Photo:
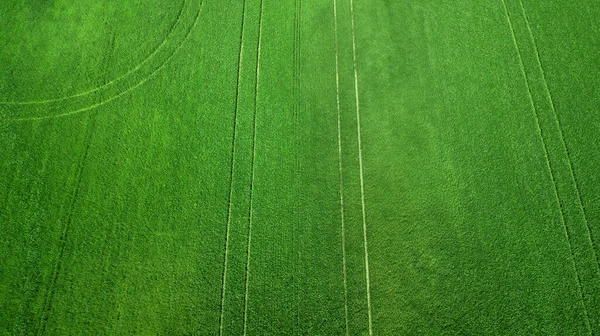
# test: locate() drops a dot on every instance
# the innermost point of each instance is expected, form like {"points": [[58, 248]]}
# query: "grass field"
{"points": [[264, 167]]}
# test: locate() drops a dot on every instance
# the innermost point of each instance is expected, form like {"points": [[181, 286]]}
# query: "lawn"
{"points": [[263, 167]]}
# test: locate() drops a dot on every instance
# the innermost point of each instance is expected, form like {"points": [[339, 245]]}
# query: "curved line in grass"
{"points": [[122, 93], [112, 81]]}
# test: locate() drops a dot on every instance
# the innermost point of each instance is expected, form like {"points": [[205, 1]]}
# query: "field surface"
{"points": [[270, 167]]}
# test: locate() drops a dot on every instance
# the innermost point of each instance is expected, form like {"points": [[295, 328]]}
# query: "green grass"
{"points": [[354, 167]]}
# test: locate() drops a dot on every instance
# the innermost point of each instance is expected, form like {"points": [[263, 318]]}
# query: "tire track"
{"points": [[297, 107], [339, 135], [249, 238], [235, 125], [110, 82], [122, 93], [562, 137], [548, 165], [360, 165], [62, 241]]}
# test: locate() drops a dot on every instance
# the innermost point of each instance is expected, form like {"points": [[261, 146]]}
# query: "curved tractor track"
{"points": [[138, 75]]}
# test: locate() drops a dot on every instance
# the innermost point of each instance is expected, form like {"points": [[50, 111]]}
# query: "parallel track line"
{"points": [[235, 125], [103, 102], [360, 163], [339, 135], [562, 137], [297, 19], [112, 81], [64, 235], [249, 239], [548, 165]]}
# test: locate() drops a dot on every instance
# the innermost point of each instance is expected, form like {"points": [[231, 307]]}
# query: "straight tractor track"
{"points": [[560, 129], [360, 165], [297, 109], [548, 165], [235, 125], [249, 238], [62, 242], [339, 138]]}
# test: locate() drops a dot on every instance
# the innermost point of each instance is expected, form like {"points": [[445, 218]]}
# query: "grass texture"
{"points": [[262, 167]]}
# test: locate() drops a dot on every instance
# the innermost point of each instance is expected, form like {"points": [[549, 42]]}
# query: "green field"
{"points": [[270, 167]]}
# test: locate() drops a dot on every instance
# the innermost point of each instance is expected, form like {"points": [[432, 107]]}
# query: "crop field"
{"points": [[279, 167]]}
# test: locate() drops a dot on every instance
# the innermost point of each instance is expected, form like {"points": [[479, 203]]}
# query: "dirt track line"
{"points": [[112, 81], [549, 167], [235, 125], [339, 135]]}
